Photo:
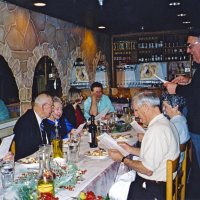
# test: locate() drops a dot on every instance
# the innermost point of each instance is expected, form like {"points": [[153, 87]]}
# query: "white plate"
{"points": [[27, 161], [97, 157], [90, 155]]}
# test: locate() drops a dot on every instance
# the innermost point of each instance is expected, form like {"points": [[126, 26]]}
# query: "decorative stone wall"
{"points": [[27, 36]]}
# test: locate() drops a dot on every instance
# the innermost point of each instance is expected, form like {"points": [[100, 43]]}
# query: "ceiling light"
{"points": [[101, 27], [100, 2], [181, 15], [186, 22], [39, 3], [175, 3]]}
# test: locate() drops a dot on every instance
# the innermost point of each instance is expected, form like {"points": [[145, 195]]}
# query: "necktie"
{"points": [[44, 140]]}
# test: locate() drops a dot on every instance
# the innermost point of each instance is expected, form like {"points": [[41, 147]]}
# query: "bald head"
{"points": [[43, 105], [42, 99]]}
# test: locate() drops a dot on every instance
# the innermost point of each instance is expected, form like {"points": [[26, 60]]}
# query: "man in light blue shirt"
{"points": [[97, 102]]}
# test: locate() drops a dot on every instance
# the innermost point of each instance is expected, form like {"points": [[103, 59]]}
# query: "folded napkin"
{"points": [[120, 189]]}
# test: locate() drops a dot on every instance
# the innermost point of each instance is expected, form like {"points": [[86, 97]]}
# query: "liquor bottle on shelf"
{"points": [[93, 133], [57, 143]]}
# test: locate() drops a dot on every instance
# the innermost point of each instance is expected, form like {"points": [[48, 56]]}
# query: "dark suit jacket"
{"points": [[69, 113], [27, 135]]}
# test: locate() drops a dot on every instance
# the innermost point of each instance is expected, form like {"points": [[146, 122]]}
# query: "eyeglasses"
{"points": [[190, 46]]}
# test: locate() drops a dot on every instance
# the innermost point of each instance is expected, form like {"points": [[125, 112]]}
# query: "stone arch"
{"points": [[13, 63], [38, 53]]}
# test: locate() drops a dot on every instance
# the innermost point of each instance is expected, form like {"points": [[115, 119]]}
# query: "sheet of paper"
{"points": [[5, 146], [109, 143], [102, 114], [137, 127], [162, 80], [80, 128]]}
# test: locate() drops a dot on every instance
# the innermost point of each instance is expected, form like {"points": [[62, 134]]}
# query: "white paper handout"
{"points": [[109, 143], [162, 80], [102, 114], [137, 127], [5, 146], [80, 128]]}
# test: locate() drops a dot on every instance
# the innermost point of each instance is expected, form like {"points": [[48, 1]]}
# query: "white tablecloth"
{"points": [[100, 174]]}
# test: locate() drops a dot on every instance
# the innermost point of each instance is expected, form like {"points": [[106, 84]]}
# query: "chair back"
{"points": [[172, 184], [182, 174], [12, 147]]}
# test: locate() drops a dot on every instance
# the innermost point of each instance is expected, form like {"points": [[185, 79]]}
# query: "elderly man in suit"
{"points": [[28, 132]]}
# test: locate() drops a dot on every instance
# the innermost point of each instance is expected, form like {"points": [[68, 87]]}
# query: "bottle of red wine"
{"points": [[93, 133]]}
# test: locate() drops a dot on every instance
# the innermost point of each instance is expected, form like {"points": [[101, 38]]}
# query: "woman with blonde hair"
{"points": [[72, 111]]}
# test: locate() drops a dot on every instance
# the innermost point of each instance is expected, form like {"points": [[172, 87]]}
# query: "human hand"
{"points": [[73, 131], [182, 80], [115, 155], [140, 136], [94, 95], [125, 146], [9, 157], [171, 87]]}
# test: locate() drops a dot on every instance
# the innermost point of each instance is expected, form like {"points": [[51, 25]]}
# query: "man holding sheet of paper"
{"points": [[97, 102], [160, 143]]}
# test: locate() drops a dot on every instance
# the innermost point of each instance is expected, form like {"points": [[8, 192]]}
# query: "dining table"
{"points": [[99, 176]]}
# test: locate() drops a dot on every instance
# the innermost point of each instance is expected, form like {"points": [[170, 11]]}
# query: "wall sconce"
{"points": [[101, 75]]}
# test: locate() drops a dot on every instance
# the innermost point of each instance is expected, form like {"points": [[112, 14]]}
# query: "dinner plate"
{"points": [[121, 138], [91, 154], [97, 157], [28, 160]]}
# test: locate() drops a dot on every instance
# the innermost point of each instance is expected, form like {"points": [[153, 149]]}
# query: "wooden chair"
{"points": [[12, 147], [172, 184], [182, 173]]}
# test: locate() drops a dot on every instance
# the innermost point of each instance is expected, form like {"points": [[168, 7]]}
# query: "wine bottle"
{"points": [[93, 133], [57, 143], [45, 183]]}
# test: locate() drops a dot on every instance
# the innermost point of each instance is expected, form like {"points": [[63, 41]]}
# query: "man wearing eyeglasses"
{"points": [[190, 89], [28, 130]]}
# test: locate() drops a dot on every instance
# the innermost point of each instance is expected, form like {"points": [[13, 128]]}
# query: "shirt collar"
{"points": [[39, 119], [160, 116]]}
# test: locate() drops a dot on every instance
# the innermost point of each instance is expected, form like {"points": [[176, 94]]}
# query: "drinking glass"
{"points": [[7, 173], [73, 151]]}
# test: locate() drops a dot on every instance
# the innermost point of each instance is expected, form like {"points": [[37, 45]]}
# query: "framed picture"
{"points": [[147, 70], [81, 74]]}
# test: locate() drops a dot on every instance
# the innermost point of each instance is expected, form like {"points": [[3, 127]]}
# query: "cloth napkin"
{"points": [[120, 189]]}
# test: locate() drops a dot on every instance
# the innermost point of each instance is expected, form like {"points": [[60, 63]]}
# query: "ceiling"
{"points": [[121, 16]]}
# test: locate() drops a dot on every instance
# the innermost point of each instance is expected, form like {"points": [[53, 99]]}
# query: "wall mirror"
{"points": [[9, 93], [46, 78]]}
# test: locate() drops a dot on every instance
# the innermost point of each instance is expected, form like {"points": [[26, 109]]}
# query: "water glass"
{"points": [[7, 174], [73, 151]]}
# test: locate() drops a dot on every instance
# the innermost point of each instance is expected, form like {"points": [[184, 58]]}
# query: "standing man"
{"points": [[28, 134], [97, 102], [190, 89], [160, 143]]}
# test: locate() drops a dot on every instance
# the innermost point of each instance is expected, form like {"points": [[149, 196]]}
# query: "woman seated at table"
{"points": [[173, 106], [64, 126], [72, 111]]}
